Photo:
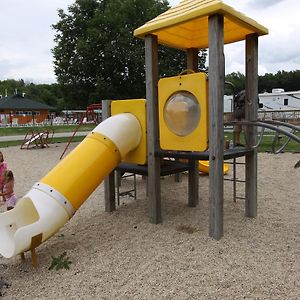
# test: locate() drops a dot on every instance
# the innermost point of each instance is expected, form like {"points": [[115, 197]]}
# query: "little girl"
{"points": [[3, 168], [8, 190]]}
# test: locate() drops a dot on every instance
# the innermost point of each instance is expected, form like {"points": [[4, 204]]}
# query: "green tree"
{"points": [[49, 94], [96, 55], [237, 79]]}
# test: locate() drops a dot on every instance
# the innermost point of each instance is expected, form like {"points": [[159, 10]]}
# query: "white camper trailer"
{"points": [[277, 105]]}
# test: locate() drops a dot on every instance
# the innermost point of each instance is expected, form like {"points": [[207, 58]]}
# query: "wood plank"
{"points": [[192, 59], [228, 154], [109, 181], [216, 131], [251, 131], [193, 183], [154, 197], [193, 177]]}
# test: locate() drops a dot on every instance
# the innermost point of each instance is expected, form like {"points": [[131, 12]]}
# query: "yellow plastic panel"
{"points": [[186, 24], [138, 108], [195, 84]]}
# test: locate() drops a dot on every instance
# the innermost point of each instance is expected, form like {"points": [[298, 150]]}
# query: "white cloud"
{"points": [[277, 51], [26, 37]]}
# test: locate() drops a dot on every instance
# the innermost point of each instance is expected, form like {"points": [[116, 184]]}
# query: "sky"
{"points": [[26, 37]]}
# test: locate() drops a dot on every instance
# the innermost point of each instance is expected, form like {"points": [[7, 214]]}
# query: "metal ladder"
{"points": [[235, 180], [131, 192]]}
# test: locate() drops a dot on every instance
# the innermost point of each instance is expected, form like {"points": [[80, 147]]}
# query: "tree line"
{"points": [[289, 81], [54, 94], [97, 57]]}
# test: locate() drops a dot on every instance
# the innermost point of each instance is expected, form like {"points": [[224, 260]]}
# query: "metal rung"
{"points": [[236, 180], [125, 193], [237, 163], [131, 192]]}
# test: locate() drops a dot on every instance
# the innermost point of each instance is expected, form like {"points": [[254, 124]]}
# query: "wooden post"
{"points": [[35, 241], [193, 179], [192, 59], [109, 181], [151, 57], [216, 129], [193, 183], [251, 115]]}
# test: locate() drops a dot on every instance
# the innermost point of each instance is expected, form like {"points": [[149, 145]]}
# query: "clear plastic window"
{"points": [[182, 113]]}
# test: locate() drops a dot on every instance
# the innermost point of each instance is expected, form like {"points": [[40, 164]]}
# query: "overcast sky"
{"points": [[26, 37]]}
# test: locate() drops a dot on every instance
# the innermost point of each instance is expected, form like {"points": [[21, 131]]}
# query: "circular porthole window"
{"points": [[182, 113]]}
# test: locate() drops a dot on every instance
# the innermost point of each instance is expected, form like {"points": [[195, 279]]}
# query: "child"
{"points": [[8, 190], [3, 168], [239, 115]]}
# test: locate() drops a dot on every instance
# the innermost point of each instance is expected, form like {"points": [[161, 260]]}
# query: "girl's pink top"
{"points": [[3, 168]]}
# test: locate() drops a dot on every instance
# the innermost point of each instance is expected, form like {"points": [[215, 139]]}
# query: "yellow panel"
{"points": [[197, 85], [138, 108], [186, 25]]}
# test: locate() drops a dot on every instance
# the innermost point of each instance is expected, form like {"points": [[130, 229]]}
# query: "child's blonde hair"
{"points": [[9, 175]]}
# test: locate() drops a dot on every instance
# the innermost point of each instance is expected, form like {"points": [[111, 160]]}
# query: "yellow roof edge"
{"points": [[247, 21], [216, 8]]}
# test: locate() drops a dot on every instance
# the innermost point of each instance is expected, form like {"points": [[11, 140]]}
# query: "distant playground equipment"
{"points": [[92, 115], [37, 139], [181, 119]]}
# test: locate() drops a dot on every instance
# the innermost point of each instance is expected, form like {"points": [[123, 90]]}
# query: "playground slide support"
{"points": [[53, 200]]}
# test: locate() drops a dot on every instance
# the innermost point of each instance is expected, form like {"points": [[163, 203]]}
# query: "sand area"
{"points": [[120, 255]]}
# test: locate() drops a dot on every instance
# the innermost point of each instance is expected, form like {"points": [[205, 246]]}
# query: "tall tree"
{"points": [[96, 55], [237, 79]]}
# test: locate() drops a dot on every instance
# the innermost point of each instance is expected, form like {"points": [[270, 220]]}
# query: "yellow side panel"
{"points": [[79, 174], [137, 107], [196, 84]]}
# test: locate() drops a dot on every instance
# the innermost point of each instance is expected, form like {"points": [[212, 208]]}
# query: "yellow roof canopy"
{"points": [[186, 25]]}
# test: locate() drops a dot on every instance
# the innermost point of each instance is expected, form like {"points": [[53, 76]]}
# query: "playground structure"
{"points": [[37, 139], [182, 118], [91, 115]]}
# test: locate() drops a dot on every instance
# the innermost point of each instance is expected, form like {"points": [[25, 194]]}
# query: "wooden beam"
{"points": [[193, 183], [216, 129], [109, 181], [251, 115], [154, 197], [193, 179], [192, 59]]}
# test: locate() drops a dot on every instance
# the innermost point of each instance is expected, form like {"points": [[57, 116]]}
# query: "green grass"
{"points": [[54, 140], [265, 146], [8, 131], [11, 131], [267, 141]]}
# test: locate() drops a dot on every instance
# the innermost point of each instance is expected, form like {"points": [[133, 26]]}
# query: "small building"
{"points": [[17, 110]]}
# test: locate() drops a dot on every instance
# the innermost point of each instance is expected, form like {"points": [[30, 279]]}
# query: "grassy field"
{"points": [[9, 131], [265, 146], [267, 142], [22, 131]]}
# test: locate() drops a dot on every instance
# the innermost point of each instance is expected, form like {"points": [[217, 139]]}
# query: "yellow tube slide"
{"points": [[55, 198]]}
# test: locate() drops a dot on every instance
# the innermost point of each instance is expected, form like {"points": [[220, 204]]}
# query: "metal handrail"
{"points": [[265, 125], [269, 124]]}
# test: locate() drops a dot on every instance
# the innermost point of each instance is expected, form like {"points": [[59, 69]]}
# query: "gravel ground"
{"points": [[120, 255]]}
